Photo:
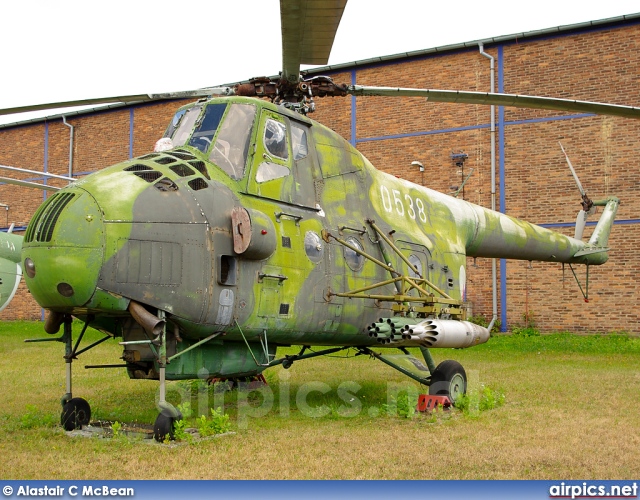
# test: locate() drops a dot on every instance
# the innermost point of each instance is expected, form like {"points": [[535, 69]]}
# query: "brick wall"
{"points": [[100, 139], [598, 65]]}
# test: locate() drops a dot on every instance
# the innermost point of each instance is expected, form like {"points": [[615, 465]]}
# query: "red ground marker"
{"points": [[427, 402]]}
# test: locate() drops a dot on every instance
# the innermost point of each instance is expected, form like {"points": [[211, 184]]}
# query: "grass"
{"points": [[559, 406]]}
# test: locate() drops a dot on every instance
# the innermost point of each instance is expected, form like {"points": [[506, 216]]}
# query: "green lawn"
{"points": [[570, 411]]}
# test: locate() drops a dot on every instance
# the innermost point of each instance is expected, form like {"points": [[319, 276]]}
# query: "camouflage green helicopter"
{"points": [[252, 226], [10, 268]]}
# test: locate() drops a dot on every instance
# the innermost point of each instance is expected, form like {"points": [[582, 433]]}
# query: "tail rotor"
{"points": [[587, 205]]}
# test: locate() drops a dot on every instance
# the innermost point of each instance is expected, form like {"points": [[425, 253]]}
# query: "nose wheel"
{"points": [[75, 413]]}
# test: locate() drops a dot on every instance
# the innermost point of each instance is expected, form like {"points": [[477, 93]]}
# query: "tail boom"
{"points": [[496, 235]]}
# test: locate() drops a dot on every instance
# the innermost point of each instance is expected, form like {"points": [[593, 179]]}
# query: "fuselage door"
{"points": [[283, 165]]}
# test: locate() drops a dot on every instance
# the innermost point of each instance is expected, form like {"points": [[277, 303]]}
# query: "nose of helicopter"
{"points": [[63, 250]]}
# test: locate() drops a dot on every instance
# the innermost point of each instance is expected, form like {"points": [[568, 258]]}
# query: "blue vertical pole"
{"points": [[501, 141]]}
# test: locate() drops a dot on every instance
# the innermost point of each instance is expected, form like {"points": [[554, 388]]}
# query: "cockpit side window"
{"points": [[271, 171], [183, 125], [299, 141], [207, 126], [232, 144], [175, 121], [275, 139]]}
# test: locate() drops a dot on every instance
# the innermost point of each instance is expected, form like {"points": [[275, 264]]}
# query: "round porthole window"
{"points": [[313, 246], [355, 261]]}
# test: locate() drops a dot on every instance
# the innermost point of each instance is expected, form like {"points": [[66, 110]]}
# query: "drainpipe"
{"points": [[64, 120], [494, 271]]}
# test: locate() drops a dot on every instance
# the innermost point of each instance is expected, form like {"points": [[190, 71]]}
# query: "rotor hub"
{"points": [[296, 95]]}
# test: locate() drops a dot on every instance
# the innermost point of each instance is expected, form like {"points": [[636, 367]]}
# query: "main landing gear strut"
{"points": [[163, 427], [447, 379], [156, 329], [76, 412]]}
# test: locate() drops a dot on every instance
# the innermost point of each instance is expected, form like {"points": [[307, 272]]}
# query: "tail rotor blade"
{"points": [[575, 176], [587, 204], [581, 221]]}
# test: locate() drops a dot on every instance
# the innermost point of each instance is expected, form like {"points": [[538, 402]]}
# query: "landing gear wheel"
{"points": [[448, 379], [75, 413], [163, 428]]}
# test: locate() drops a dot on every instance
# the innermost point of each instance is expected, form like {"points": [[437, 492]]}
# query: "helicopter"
{"points": [[251, 226], [10, 268]]}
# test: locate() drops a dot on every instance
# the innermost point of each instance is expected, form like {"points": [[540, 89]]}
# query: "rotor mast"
{"points": [[308, 31]]}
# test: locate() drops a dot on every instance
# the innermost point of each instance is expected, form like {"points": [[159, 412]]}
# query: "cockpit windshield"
{"points": [[182, 124], [185, 120], [232, 144], [197, 128], [207, 127]]}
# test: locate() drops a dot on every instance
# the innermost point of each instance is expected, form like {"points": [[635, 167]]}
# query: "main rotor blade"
{"points": [[513, 100], [188, 94], [9, 180], [36, 172], [308, 31]]}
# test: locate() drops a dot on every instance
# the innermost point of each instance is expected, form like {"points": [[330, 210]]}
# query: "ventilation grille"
{"points": [[166, 184], [197, 184], [183, 155], [286, 242], [45, 219], [284, 309], [200, 167], [137, 168], [150, 156], [182, 170], [174, 161], [165, 160], [149, 176]]}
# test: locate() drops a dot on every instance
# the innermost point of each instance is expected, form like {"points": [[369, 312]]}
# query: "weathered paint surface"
{"points": [[159, 230], [10, 268]]}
